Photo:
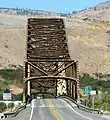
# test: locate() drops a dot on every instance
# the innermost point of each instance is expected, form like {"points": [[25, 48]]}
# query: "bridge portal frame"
{"points": [[47, 48]]}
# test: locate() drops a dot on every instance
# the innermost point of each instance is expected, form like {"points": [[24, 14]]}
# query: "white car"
{"points": [[38, 97]]}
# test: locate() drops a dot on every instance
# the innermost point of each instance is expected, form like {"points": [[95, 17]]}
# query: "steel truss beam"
{"points": [[47, 58]]}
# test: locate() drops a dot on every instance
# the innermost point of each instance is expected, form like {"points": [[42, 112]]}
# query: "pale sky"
{"points": [[58, 6]]}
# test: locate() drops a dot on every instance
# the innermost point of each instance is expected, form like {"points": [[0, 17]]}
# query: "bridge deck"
{"points": [[54, 109]]}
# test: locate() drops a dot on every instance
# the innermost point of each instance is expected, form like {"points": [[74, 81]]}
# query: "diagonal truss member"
{"points": [[48, 65]]}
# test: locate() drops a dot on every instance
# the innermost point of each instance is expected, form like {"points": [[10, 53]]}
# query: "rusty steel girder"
{"points": [[47, 58]]}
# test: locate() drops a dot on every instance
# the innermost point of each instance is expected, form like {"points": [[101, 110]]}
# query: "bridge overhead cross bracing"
{"points": [[48, 66]]}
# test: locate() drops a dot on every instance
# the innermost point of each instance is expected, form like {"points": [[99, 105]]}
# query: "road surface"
{"points": [[54, 109]]}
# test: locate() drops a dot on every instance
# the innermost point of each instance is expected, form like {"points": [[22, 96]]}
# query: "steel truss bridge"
{"points": [[49, 70], [48, 66]]}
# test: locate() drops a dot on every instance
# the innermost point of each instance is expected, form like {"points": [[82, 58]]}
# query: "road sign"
{"points": [[6, 96], [87, 90], [93, 92]]}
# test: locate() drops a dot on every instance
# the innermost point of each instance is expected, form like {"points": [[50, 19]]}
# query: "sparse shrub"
{"points": [[98, 85], [2, 106], [6, 46], [11, 74], [20, 97], [10, 105]]}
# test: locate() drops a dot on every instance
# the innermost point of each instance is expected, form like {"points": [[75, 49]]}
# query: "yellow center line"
{"points": [[53, 111]]}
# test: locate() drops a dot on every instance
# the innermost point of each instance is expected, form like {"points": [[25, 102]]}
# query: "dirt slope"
{"points": [[87, 39]]}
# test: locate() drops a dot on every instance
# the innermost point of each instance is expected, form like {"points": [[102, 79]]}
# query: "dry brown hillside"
{"points": [[94, 14], [12, 44], [88, 43], [87, 40], [98, 12]]}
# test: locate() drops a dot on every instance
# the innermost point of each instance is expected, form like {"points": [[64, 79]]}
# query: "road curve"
{"points": [[54, 109]]}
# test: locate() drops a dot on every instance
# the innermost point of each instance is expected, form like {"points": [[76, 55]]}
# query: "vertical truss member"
{"points": [[48, 67]]}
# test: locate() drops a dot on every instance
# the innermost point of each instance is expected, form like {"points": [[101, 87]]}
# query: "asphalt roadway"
{"points": [[54, 109]]}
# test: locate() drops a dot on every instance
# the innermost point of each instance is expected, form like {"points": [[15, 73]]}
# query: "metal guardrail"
{"points": [[68, 97], [80, 106], [15, 112]]}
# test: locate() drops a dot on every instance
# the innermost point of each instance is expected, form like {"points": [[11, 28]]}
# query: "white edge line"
{"points": [[32, 110], [77, 112]]}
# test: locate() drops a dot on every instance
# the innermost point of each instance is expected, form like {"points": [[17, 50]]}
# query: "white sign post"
{"points": [[6, 96], [93, 93]]}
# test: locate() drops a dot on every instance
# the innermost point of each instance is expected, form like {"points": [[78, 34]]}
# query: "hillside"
{"points": [[98, 12], [17, 11], [105, 5], [87, 35], [88, 43]]}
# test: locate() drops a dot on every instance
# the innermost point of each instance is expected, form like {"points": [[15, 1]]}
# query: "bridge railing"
{"points": [[80, 106], [15, 112]]}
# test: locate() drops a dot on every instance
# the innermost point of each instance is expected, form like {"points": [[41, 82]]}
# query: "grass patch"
{"points": [[11, 74], [101, 101]]}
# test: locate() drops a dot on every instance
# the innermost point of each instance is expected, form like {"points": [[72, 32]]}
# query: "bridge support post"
{"points": [[55, 89], [76, 91], [24, 85], [56, 82], [24, 93], [67, 86], [29, 83], [27, 87], [72, 89], [77, 76]]}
